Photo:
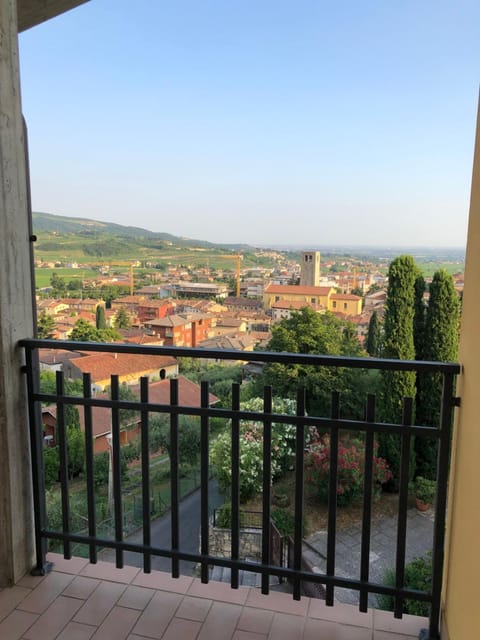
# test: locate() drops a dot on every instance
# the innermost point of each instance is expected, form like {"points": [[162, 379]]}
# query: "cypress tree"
{"points": [[398, 343], [441, 344], [373, 336], [419, 318], [100, 321]]}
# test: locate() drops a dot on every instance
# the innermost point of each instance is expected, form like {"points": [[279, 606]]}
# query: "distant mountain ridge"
{"points": [[51, 223]]}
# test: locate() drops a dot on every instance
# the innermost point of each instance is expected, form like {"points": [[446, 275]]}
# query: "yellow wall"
{"points": [[353, 307], [461, 609], [271, 298]]}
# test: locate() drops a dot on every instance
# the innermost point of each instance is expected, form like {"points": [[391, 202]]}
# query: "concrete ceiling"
{"points": [[33, 12]]}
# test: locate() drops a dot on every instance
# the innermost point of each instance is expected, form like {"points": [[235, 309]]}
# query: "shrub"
{"points": [[351, 464], [223, 518], [418, 575], [251, 450], [425, 489], [284, 521]]}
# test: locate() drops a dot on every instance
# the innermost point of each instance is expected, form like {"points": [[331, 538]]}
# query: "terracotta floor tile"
{"points": [[193, 608], [255, 620], [136, 597], [221, 622], [100, 603], [11, 598], [81, 587], [157, 615], [315, 629], [77, 631], [340, 613], [54, 619], [184, 629], [118, 624], [248, 635], [30, 581], [45, 593], [408, 625], [286, 627], [386, 635], [16, 624], [275, 601], [108, 571], [74, 565], [218, 591], [164, 581]]}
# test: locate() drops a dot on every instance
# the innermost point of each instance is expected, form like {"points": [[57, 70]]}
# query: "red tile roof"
{"points": [[102, 365], [188, 392], [296, 289], [345, 296]]}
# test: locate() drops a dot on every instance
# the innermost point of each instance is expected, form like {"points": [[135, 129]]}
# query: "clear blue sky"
{"points": [[259, 121]]}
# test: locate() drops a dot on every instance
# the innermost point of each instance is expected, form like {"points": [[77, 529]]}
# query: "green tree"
{"points": [[419, 318], [309, 332], [100, 321], [83, 331], [76, 451], [188, 437], [441, 344], [398, 343], [45, 325], [374, 336], [58, 285], [122, 319], [51, 465]]}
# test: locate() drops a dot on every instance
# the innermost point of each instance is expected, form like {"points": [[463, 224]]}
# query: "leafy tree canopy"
{"points": [[45, 326], [309, 332]]}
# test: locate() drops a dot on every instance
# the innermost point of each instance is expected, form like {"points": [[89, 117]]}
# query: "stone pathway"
{"points": [[382, 549]]}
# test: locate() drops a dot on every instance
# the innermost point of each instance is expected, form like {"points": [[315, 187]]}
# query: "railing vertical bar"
{"points": [[116, 472], [403, 505], [145, 462], [174, 477], [235, 551], [367, 503], [332, 497], [204, 480], [446, 417], [299, 475], [267, 481], [63, 455], [89, 467], [38, 467]]}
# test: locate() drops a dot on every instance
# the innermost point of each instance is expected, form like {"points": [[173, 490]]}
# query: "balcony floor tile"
{"points": [[93, 602]]}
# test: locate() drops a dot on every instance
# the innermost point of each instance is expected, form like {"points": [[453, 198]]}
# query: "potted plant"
{"points": [[424, 492]]}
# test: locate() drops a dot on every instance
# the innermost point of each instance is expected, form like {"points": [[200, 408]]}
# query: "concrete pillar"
{"points": [[461, 613], [16, 315]]}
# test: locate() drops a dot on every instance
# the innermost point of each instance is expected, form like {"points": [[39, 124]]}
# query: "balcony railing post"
{"points": [[446, 419], [38, 480]]}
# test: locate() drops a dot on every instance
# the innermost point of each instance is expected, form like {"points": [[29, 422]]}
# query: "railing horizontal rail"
{"points": [[421, 366]]}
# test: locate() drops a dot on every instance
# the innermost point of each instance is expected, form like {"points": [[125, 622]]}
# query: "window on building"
{"points": [[334, 304], [344, 305]]}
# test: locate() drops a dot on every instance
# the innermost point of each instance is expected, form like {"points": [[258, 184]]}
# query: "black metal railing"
{"points": [[333, 424]]}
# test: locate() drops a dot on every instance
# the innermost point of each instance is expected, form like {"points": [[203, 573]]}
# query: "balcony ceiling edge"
{"points": [[34, 12]]}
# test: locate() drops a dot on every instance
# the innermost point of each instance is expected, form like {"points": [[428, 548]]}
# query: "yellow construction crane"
{"points": [[238, 257]]}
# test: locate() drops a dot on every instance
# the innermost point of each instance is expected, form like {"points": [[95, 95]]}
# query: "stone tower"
{"points": [[310, 269]]}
